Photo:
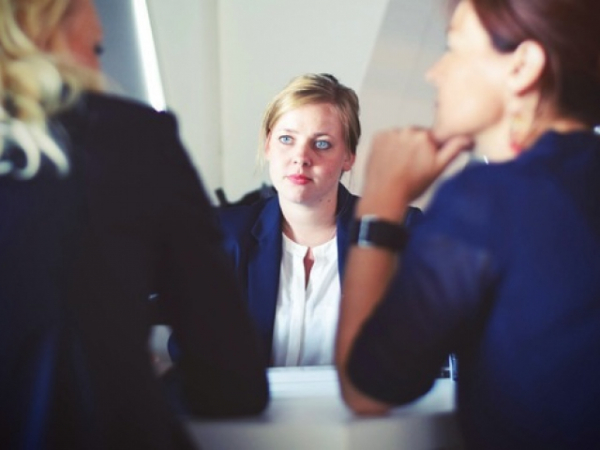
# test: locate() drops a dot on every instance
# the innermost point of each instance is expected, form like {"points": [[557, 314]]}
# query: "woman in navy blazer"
{"points": [[310, 132], [99, 207], [253, 241], [504, 269]]}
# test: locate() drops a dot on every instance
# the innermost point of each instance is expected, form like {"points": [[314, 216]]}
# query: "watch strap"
{"points": [[371, 231]]}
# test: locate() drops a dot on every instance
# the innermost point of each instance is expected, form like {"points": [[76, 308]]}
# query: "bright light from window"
{"points": [[154, 87]]}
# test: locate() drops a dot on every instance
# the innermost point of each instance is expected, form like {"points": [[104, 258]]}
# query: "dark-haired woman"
{"points": [[505, 269]]}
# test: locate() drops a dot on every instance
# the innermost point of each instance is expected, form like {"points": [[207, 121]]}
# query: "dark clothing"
{"points": [[79, 257], [252, 239], [504, 270]]}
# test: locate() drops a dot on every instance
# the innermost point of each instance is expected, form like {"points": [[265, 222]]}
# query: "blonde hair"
{"points": [[314, 88], [35, 84]]}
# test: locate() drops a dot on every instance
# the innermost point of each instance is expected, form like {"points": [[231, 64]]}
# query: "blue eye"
{"points": [[285, 139], [322, 145]]}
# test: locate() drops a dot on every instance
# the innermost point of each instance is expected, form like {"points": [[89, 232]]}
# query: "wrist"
{"points": [[390, 208], [374, 232]]}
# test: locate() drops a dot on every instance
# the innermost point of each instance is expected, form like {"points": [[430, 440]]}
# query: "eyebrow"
{"points": [[317, 134]]}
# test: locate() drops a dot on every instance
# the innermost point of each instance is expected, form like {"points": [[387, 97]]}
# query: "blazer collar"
{"points": [[268, 223], [344, 215]]}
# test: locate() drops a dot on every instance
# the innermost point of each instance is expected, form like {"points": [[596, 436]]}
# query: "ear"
{"points": [[528, 63], [348, 161], [267, 149]]}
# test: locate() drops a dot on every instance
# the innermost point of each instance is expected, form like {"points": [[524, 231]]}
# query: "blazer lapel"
{"points": [[344, 214]]}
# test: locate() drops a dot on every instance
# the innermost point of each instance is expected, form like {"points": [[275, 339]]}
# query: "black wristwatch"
{"points": [[371, 231]]}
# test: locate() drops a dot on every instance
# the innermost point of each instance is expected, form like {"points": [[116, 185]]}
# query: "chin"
{"points": [[443, 134], [292, 195], [440, 134]]}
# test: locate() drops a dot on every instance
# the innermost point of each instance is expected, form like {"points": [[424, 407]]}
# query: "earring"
{"points": [[517, 134]]}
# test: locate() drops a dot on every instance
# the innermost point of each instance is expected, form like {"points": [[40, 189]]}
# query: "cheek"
{"points": [[480, 107], [81, 45], [333, 170], [86, 57], [276, 165], [274, 155], [470, 101]]}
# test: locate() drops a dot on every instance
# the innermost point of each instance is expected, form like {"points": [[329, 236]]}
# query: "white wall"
{"points": [[186, 39]]}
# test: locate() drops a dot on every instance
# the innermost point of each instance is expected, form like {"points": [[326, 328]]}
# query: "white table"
{"points": [[306, 412]]}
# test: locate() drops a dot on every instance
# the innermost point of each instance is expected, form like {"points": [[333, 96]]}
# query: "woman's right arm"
{"points": [[402, 164]]}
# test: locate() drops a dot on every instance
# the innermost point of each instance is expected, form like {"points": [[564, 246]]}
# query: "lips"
{"points": [[298, 179]]}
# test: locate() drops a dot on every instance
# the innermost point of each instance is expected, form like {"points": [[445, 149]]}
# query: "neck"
{"points": [[308, 225], [558, 124], [494, 143]]}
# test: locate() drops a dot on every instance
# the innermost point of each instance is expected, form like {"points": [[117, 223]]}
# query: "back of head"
{"points": [[569, 32], [313, 89], [35, 83]]}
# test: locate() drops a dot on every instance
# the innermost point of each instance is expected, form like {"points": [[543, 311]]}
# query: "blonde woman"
{"points": [[99, 207], [289, 250]]}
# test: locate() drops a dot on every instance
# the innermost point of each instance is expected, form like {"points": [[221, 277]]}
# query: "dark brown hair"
{"points": [[569, 31]]}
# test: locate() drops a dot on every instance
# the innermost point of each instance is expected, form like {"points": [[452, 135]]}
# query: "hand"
{"points": [[402, 164]]}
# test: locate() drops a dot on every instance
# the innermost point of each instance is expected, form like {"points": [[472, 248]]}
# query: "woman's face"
{"points": [[471, 81], [82, 33], [307, 154]]}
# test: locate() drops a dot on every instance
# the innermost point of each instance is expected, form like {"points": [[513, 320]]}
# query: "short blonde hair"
{"points": [[35, 84], [314, 88]]}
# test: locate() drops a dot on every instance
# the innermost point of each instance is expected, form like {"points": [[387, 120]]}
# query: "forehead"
{"points": [[318, 117], [465, 22], [82, 14]]}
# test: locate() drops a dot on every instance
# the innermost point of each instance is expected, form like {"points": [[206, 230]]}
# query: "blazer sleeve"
{"points": [[220, 369]]}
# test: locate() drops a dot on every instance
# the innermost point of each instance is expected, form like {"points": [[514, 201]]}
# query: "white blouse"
{"points": [[307, 315]]}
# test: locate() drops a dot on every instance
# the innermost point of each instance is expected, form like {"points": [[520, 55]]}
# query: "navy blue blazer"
{"points": [[504, 270], [79, 257], [252, 239]]}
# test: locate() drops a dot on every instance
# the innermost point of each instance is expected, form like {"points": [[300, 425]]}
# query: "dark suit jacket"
{"points": [[252, 239], [79, 257], [504, 270]]}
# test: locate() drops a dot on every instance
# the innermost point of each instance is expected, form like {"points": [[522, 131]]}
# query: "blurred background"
{"points": [[217, 63]]}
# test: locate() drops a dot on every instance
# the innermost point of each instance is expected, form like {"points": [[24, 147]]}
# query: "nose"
{"points": [[302, 154], [432, 73]]}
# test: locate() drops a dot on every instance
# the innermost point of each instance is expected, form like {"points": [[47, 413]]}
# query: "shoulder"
{"points": [[117, 117], [134, 146], [346, 201], [472, 206], [239, 220], [120, 107], [467, 184], [115, 128]]}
